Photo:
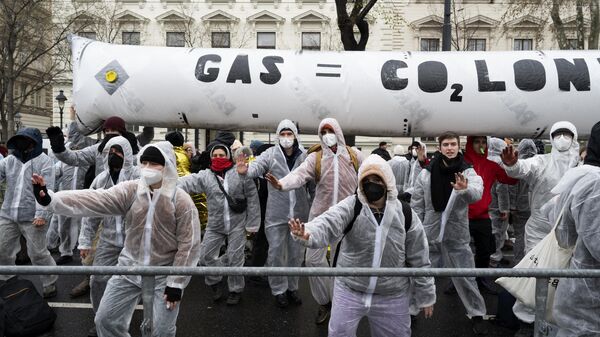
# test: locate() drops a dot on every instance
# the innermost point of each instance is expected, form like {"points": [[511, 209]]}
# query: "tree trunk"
{"points": [[594, 24], [580, 25], [558, 25]]}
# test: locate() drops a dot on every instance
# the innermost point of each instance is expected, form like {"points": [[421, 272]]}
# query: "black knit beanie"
{"points": [[154, 155]]}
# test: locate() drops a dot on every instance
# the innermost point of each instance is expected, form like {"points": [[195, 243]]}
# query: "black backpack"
{"points": [[25, 311], [406, 210]]}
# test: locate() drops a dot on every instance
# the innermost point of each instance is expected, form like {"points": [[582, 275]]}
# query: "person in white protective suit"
{"points": [[92, 155], [401, 167], [519, 202], [118, 167], [418, 161], [19, 214], [70, 178], [441, 197], [577, 300], [333, 168], [542, 173], [378, 238], [500, 205], [282, 206], [233, 210], [161, 229]]}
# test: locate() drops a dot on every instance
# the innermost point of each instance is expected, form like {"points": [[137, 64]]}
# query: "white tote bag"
{"points": [[546, 254]]}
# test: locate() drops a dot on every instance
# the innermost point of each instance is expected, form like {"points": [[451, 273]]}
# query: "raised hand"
{"points": [[509, 156], [40, 192], [274, 181], [241, 165], [297, 229], [461, 182]]}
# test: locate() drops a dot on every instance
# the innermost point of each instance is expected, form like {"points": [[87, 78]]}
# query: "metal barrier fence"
{"points": [[542, 328]]}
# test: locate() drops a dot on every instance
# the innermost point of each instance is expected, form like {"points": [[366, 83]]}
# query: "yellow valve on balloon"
{"points": [[111, 76]]}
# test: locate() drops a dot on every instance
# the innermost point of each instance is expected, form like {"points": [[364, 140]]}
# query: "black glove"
{"points": [[57, 140], [405, 197], [45, 200], [173, 294]]}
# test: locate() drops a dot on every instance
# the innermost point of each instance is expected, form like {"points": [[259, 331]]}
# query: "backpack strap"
{"points": [[353, 158], [318, 166], [357, 209], [407, 211]]}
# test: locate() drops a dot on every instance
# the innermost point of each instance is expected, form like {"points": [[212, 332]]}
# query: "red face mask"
{"points": [[220, 164]]}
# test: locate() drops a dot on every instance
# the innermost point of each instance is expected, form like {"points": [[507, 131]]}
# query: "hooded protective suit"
{"points": [[450, 248], [414, 171], [499, 203], [577, 300], [70, 178], [401, 169], [519, 201], [223, 223], [161, 229], [19, 208], [112, 235], [542, 173], [282, 206], [374, 244], [338, 180]]}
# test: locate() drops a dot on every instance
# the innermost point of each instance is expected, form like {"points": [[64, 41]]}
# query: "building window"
{"points": [[311, 41], [88, 35], [132, 38], [220, 40], [572, 44], [175, 39], [523, 44], [476, 44], [430, 44], [265, 40]]}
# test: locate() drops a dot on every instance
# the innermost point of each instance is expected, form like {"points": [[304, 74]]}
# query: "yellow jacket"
{"points": [[183, 162]]}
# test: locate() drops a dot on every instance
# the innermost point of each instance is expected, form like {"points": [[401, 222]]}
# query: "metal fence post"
{"points": [[541, 296], [148, 299]]}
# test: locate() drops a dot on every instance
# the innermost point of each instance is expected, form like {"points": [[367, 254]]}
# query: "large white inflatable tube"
{"points": [[370, 93]]}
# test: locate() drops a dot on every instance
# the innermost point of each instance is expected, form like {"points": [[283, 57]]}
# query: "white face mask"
{"points": [[414, 153], [563, 143], [286, 142], [330, 139], [151, 176]]}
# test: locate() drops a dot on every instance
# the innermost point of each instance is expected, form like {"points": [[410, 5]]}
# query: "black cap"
{"points": [[175, 138], [154, 155]]}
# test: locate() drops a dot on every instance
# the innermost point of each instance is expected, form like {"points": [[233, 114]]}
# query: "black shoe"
{"points": [[64, 260], [217, 291], [234, 298], [450, 290], [486, 286], [92, 332], [479, 326], [282, 300], [323, 313], [293, 298]]}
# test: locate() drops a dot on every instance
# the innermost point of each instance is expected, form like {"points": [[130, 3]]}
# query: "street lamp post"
{"points": [[17, 119], [61, 98]]}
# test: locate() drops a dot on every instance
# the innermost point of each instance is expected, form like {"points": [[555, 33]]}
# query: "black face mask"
{"points": [[373, 191], [22, 145], [115, 161]]}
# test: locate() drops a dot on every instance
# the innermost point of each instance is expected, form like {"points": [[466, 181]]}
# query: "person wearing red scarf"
{"points": [[225, 191], [480, 224]]}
